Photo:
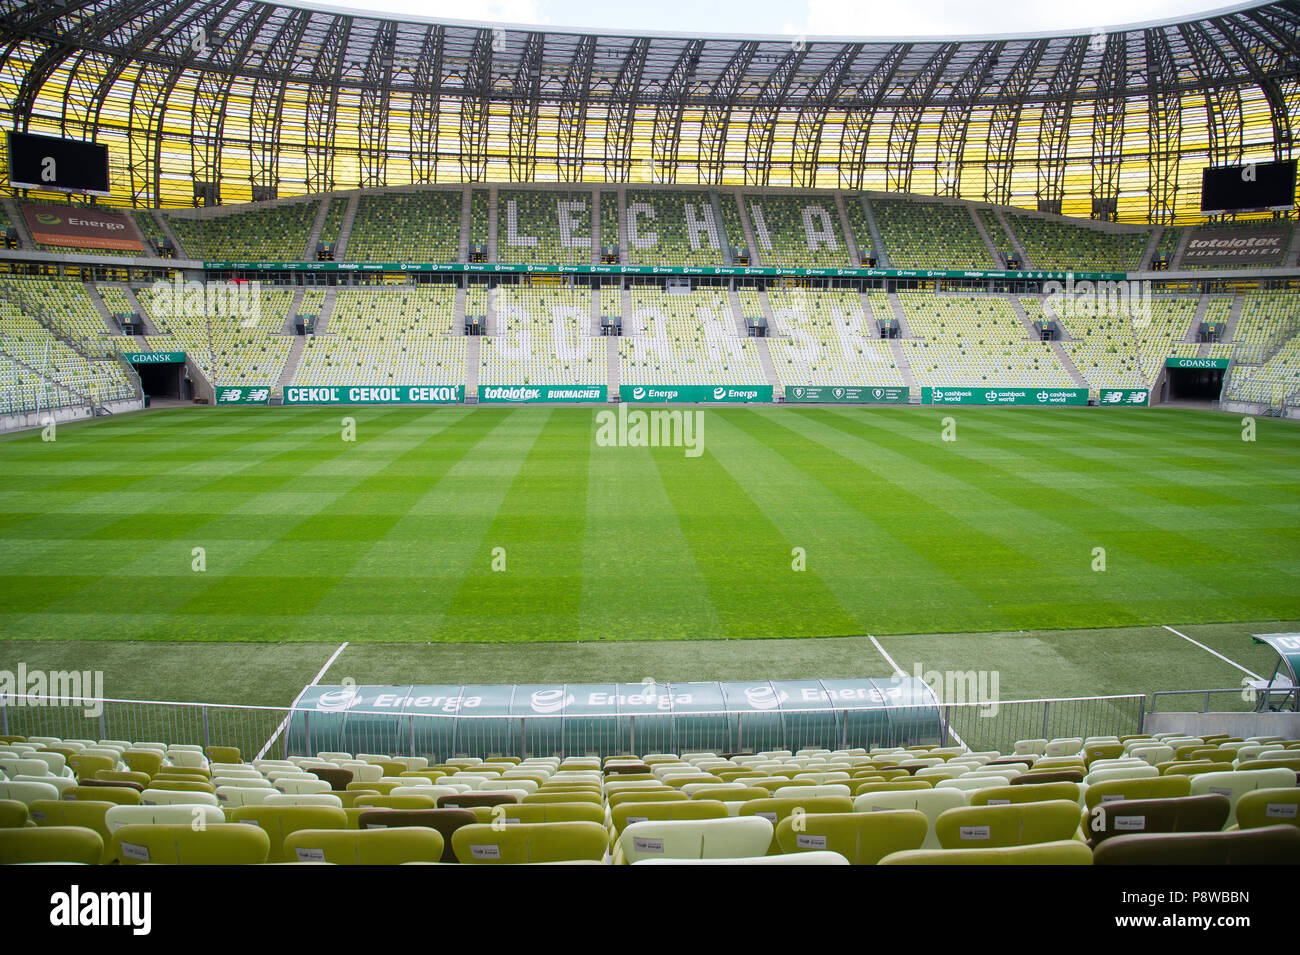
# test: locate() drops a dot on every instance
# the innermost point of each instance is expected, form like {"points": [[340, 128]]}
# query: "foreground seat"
{"points": [[1270, 845], [721, 838], [482, 844], [863, 838], [1018, 824], [1206, 813], [365, 846], [1063, 852], [799, 858], [184, 845]]}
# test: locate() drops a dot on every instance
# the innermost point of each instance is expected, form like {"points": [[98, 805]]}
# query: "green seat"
{"points": [[122, 795], [13, 814], [1157, 787], [66, 844], [530, 842], [184, 845], [864, 838], [365, 846], [994, 827], [931, 803], [1268, 807], [279, 822], [84, 813], [1062, 852], [1040, 792]]}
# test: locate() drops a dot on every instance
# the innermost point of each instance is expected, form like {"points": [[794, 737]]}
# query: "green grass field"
{"points": [[673, 562]]}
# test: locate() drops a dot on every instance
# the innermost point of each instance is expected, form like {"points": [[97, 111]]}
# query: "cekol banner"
{"points": [[1243, 246], [1004, 396], [529, 394], [702, 393], [81, 227], [375, 395], [822, 394]]}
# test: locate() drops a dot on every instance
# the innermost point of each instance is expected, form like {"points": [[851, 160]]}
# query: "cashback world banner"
{"points": [[375, 395], [1004, 396], [606, 718], [701, 393], [1111, 397], [529, 394], [824, 394]]}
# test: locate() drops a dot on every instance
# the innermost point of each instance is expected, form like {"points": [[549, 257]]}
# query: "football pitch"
{"points": [[225, 555]]}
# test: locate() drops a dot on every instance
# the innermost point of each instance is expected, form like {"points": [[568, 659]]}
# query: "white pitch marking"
{"points": [[1215, 652], [899, 671], [316, 679]]}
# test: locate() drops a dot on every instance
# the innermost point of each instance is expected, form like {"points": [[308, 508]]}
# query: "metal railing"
{"points": [[285, 731], [1233, 700]]}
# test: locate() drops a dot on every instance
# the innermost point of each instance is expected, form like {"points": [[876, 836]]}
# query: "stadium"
{"points": [[433, 441]]}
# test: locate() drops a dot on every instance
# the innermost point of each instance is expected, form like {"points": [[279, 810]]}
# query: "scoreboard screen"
{"points": [[61, 165], [1253, 187]]}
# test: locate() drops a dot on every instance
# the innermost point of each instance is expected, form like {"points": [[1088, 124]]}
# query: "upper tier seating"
{"points": [[421, 226], [272, 233], [801, 231], [674, 228], [929, 235], [545, 227]]}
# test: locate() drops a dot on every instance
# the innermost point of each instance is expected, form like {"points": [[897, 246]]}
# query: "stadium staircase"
{"points": [[882, 253], [1234, 315], [97, 300], [1025, 261], [295, 306], [594, 328], [1183, 240], [873, 323], [18, 222], [327, 309], [458, 312], [1144, 265], [595, 229], [462, 245], [738, 315], [1202, 304], [766, 303], [489, 313], [987, 239], [1068, 364], [493, 228], [1031, 332], [747, 227], [900, 315], [905, 370], [715, 202], [850, 240], [473, 345], [313, 237], [623, 254], [613, 368], [626, 306], [1292, 257], [291, 363], [345, 227]]}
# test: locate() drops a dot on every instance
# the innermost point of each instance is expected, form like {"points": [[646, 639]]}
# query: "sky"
{"points": [[799, 17]]}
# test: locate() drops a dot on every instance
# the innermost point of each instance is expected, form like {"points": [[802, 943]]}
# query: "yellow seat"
{"points": [[74, 844], [60, 812], [864, 838], [184, 845], [995, 827], [279, 822], [1155, 787], [1062, 852], [365, 846], [1268, 807], [530, 842]]}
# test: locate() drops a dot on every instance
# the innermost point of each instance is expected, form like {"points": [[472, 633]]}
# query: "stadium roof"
{"points": [[243, 99]]}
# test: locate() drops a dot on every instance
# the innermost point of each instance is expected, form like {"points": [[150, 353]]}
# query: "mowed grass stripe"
{"points": [[1143, 559], [401, 588], [641, 580], [538, 534], [745, 560], [866, 565]]}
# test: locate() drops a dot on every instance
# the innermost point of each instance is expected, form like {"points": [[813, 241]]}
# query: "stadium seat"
{"points": [[530, 842], [728, 837], [168, 844], [59, 844], [1269, 845], [992, 827], [365, 846], [864, 838], [1062, 852]]}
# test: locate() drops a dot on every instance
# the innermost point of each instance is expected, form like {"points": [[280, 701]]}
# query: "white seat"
{"points": [[27, 792], [167, 797], [276, 798], [60, 783], [796, 792], [234, 796], [1143, 771], [1235, 783], [738, 837], [186, 814], [245, 782], [302, 785]]}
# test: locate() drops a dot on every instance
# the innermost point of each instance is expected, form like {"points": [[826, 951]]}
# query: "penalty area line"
{"points": [[314, 680], [899, 671], [1215, 652]]}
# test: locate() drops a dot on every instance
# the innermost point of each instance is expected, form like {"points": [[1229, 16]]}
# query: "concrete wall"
{"points": [[1286, 725]]}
